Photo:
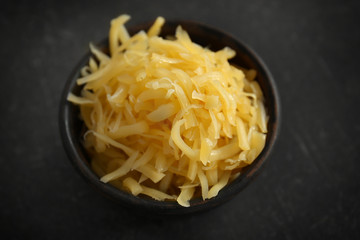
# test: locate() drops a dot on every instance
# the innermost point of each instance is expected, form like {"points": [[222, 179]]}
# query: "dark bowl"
{"points": [[71, 127]]}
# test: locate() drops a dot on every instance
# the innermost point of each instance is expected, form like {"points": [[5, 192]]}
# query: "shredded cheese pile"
{"points": [[168, 118]]}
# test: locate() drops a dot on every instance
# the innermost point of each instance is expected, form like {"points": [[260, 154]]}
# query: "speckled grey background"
{"points": [[310, 186]]}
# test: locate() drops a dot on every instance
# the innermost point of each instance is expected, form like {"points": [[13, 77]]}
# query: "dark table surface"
{"points": [[310, 186]]}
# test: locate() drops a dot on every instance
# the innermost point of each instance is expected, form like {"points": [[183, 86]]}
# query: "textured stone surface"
{"points": [[309, 188]]}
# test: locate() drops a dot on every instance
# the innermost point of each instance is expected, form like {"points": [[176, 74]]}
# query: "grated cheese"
{"points": [[168, 118]]}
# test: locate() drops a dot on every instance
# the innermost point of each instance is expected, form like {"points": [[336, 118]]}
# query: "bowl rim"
{"points": [[72, 145]]}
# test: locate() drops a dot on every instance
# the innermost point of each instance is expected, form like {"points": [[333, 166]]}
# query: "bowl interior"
{"points": [[71, 127]]}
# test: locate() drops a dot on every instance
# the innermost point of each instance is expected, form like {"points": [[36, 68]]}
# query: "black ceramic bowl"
{"points": [[71, 126]]}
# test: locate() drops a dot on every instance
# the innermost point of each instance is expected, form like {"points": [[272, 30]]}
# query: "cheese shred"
{"points": [[168, 118]]}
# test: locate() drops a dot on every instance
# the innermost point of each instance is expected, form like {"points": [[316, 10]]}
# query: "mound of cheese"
{"points": [[168, 118]]}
